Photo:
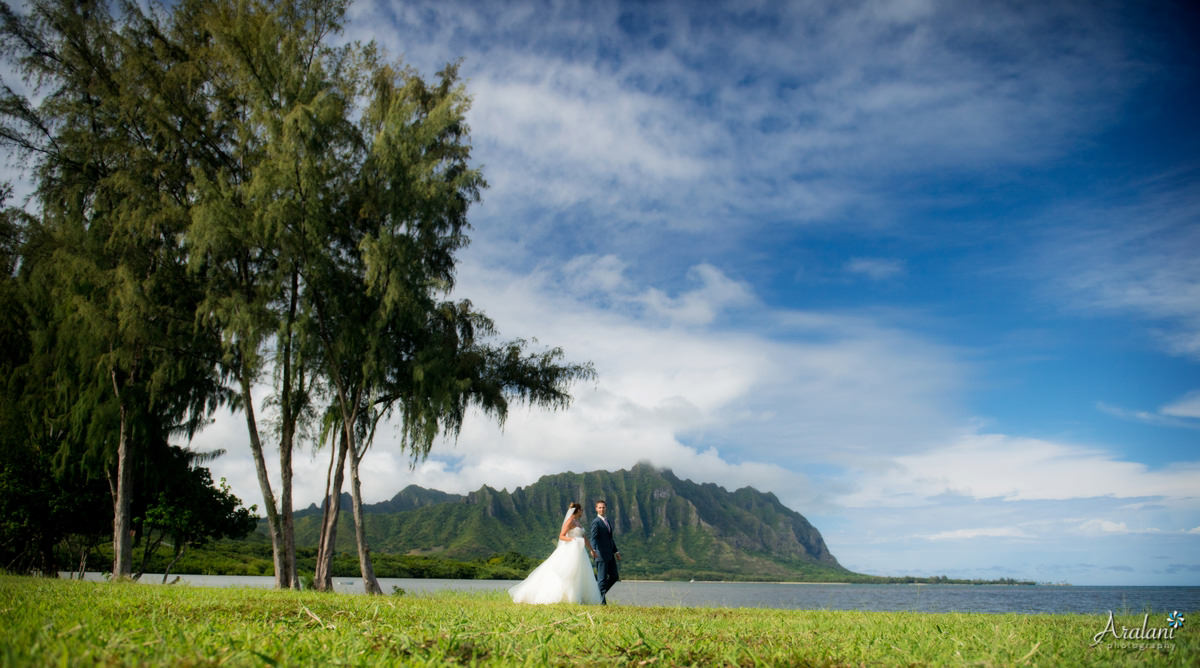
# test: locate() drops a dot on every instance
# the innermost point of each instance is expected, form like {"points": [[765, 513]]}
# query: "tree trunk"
{"points": [[47, 564], [288, 412], [178, 553], [370, 584], [148, 550], [323, 577], [264, 483], [122, 522], [83, 555], [285, 510]]}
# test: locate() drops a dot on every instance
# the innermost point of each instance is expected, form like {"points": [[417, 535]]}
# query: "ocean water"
{"points": [[1029, 599], [1025, 599]]}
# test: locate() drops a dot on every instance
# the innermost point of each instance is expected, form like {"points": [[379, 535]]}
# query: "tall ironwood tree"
{"points": [[273, 79], [112, 190], [416, 356]]}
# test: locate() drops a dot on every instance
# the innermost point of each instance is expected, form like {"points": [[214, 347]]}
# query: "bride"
{"points": [[566, 575]]}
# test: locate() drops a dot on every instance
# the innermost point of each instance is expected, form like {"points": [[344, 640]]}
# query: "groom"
{"points": [[607, 554]]}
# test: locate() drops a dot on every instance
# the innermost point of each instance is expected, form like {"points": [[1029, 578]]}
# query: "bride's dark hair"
{"points": [[574, 507]]}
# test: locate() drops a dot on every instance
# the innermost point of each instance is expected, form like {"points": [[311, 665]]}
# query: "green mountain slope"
{"points": [[666, 527], [409, 498]]}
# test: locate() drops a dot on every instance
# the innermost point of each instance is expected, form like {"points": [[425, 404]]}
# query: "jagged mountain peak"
{"points": [[666, 526]]}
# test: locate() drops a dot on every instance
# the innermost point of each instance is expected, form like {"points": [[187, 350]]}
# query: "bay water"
{"points": [[1025, 599]]}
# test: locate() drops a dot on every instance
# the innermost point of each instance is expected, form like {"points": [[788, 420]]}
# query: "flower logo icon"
{"points": [[1175, 619]]}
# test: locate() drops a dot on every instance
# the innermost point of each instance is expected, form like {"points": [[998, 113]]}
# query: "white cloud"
{"points": [[1103, 526], [970, 534], [716, 293], [1133, 258], [592, 274], [1095, 527], [986, 466], [1181, 413], [876, 269], [809, 382], [602, 281], [674, 388], [1187, 406], [1160, 418], [570, 136], [690, 122]]}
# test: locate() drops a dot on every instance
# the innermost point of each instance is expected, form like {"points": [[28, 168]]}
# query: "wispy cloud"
{"points": [[994, 466], [1105, 527], [970, 534], [723, 118], [706, 291], [877, 269], [1134, 257], [1187, 406], [1161, 418], [1109, 527]]}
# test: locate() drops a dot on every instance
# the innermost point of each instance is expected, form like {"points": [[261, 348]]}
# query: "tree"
{"points": [[188, 509], [390, 343], [48, 500], [45, 499], [250, 231], [112, 190]]}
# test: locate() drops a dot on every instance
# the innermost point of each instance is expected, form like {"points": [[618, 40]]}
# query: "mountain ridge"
{"points": [[666, 527]]}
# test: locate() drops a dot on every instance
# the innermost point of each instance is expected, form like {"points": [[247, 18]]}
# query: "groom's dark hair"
{"points": [[600, 501]]}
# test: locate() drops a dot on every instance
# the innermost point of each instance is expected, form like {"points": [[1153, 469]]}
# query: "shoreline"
{"points": [[151, 578]]}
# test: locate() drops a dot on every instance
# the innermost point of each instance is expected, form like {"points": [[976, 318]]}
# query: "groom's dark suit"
{"points": [[606, 559]]}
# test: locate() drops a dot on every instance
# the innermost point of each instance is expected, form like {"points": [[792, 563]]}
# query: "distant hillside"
{"points": [[666, 527], [409, 498]]}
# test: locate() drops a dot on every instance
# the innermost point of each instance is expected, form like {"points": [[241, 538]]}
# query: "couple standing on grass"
{"points": [[566, 575]]}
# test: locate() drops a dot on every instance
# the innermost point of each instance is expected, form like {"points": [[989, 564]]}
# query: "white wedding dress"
{"points": [[564, 577]]}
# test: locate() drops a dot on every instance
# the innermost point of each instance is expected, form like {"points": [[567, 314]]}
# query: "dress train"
{"points": [[565, 576]]}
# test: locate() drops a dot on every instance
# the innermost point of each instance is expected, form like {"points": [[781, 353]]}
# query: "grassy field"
{"points": [[70, 623]]}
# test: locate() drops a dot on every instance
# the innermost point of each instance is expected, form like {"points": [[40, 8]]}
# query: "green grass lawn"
{"points": [[70, 623]]}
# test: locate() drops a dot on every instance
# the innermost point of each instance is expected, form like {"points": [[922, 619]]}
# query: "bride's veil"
{"points": [[570, 512]]}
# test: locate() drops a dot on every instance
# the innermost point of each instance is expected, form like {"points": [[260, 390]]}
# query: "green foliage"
{"points": [[49, 622], [55, 431], [234, 557], [189, 510], [115, 330]]}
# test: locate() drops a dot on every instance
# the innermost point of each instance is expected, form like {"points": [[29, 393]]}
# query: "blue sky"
{"points": [[927, 271]]}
